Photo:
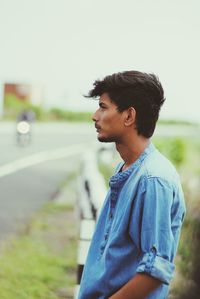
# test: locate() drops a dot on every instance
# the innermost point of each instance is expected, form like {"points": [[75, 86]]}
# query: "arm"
{"points": [[138, 287], [150, 230]]}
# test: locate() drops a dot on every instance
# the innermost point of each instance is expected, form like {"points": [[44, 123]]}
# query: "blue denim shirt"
{"points": [[138, 228]]}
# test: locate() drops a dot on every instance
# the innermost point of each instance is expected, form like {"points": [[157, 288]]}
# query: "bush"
{"points": [[60, 114], [177, 150], [173, 148], [189, 265]]}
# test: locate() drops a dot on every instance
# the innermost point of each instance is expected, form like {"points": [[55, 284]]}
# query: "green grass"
{"points": [[41, 262]]}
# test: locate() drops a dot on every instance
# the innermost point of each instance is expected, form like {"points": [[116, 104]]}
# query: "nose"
{"points": [[94, 116]]}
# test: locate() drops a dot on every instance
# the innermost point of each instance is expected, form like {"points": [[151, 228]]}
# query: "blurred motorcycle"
{"points": [[24, 122], [23, 133]]}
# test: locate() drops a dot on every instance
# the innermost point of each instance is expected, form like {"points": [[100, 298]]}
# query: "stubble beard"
{"points": [[103, 139], [107, 139]]}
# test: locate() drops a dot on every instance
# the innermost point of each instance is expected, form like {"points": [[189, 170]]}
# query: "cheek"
{"points": [[103, 117], [108, 121]]}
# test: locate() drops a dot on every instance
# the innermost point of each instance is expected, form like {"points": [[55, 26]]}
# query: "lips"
{"points": [[97, 127]]}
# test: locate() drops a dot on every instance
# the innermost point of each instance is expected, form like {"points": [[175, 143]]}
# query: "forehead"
{"points": [[104, 98]]}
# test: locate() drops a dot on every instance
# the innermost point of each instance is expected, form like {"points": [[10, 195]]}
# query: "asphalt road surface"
{"points": [[32, 175]]}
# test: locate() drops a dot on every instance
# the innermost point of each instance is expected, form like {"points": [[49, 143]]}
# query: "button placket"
{"points": [[109, 220]]}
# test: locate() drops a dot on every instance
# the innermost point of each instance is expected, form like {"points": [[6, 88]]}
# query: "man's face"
{"points": [[108, 120]]}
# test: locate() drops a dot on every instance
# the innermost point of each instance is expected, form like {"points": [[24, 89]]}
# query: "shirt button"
{"points": [[102, 248], [106, 237]]}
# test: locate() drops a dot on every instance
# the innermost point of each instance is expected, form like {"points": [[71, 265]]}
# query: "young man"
{"points": [[135, 241]]}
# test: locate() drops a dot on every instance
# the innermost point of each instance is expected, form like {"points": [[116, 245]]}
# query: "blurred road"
{"points": [[29, 176], [45, 136]]}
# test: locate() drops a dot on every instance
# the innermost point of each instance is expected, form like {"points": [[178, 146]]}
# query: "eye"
{"points": [[102, 106]]}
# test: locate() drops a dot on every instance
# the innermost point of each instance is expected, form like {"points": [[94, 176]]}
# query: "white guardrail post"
{"points": [[91, 193]]}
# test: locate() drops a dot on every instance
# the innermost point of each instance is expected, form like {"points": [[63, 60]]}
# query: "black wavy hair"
{"points": [[142, 91]]}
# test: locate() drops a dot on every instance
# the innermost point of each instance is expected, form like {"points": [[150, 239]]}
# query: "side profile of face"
{"points": [[109, 122]]}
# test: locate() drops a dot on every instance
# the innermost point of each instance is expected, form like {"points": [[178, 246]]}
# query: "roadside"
{"points": [[40, 262]]}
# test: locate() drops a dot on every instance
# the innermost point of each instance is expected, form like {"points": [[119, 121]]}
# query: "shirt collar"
{"points": [[120, 177]]}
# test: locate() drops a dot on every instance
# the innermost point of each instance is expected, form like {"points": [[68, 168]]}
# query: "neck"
{"points": [[131, 150]]}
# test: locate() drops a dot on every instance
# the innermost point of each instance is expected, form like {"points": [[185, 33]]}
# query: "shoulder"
{"points": [[152, 171], [156, 167]]}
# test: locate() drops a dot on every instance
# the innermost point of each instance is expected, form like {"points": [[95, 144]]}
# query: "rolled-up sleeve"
{"points": [[151, 228], [156, 266]]}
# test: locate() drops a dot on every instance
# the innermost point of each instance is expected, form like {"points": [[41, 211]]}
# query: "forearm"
{"points": [[137, 288]]}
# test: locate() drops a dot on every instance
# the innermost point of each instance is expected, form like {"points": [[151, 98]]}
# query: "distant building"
{"points": [[24, 92]]}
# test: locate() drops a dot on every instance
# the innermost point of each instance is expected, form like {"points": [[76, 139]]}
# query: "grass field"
{"points": [[41, 262]]}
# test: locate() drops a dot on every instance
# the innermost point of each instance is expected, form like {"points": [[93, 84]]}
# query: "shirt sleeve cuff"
{"points": [[156, 266]]}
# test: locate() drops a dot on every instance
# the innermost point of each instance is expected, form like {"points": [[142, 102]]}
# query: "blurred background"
{"points": [[50, 54]]}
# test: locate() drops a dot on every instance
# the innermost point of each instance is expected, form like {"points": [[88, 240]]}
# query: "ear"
{"points": [[130, 117]]}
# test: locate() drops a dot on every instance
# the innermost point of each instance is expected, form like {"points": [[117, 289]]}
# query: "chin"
{"points": [[105, 139]]}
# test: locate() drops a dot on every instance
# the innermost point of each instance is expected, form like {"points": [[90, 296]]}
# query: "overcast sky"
{"points": [[65, 45]]}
